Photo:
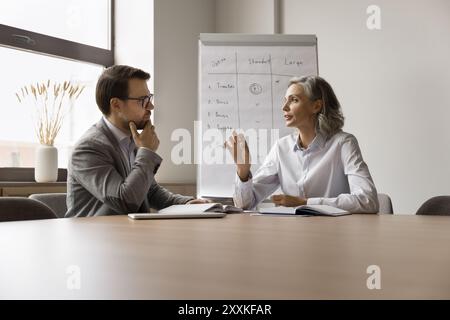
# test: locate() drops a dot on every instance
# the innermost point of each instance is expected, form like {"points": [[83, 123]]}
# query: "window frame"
{"points": [[21, 39]]}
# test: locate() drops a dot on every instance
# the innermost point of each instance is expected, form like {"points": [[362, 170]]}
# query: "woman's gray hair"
{"points": [[330, 119]]}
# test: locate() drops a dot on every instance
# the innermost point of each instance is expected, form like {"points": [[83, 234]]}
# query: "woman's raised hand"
{"points": [[238, 148]]}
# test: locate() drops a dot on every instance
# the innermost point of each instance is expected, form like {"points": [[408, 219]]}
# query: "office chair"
{"points": [[385, 204], [19, 208], [55, 201], [436, 206]]}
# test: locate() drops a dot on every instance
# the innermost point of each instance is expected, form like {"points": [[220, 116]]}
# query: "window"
{"points": [[81, 21], [56, 40], [79, 30], [18, 138]]}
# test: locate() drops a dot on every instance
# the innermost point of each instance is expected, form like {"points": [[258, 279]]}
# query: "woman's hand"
{"points": [[287, 201], [238, 148]]}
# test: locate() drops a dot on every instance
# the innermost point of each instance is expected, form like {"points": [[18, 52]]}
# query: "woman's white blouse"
{"points": [[330, 171]]}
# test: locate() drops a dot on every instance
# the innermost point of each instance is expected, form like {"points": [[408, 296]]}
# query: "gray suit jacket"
{"points": [[99, 181]]}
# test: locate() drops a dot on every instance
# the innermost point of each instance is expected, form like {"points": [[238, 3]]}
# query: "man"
{"points": [[112, 168]]}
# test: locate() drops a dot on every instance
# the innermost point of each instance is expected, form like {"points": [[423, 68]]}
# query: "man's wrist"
{"points": [[148, 149], [155, 159]]}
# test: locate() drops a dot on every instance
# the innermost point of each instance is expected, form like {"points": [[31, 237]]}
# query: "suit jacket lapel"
{"points": [[124, 170], [145, 207]]}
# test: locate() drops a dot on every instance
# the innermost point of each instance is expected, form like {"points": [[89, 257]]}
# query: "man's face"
{"points": [[133, 110]]}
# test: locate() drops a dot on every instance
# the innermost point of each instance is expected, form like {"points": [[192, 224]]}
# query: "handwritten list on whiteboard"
{"points": [[243, 87]]}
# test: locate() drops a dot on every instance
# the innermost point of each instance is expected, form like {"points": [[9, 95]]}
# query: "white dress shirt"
{"points": [[126, 142], [330, 171]]}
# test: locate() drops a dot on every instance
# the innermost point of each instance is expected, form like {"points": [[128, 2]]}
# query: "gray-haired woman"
{"points": [[320, 164]]}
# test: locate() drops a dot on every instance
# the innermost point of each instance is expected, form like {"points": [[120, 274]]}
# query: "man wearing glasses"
{"points": [[112, 168]]}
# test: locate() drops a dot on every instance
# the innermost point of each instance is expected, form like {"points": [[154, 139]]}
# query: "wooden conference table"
{"points": [[236, 257]]}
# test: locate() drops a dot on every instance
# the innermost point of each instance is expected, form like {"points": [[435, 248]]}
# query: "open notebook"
{"points": [[306, 210], [201, 207], [203, 210]]}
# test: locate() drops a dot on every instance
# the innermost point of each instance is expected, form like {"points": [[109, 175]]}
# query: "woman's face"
{"points": [[299, 111]]}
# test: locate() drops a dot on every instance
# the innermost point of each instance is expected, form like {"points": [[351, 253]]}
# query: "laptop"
{"points": [[178, 215]]}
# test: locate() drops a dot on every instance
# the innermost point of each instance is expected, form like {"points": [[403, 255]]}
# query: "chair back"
{"points": [[55, 201], [436, 206], [20, 208], [385, 204]]}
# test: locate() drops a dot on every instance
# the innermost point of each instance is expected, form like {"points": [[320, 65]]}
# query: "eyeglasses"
{"points": [[144, 100]]}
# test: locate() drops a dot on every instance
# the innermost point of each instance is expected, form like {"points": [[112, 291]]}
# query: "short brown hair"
{"points": [[113, 83]]}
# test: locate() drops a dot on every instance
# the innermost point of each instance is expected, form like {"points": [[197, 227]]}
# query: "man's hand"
{"points": [[197, 201], [147, 138], [288, 201]]}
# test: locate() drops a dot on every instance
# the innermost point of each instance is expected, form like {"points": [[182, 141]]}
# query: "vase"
{"points": [[46, 164]]}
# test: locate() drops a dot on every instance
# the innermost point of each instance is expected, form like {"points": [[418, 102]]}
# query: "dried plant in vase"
{"points": [[52, 102]]}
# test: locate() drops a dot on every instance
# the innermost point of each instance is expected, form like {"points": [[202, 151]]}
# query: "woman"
{"points": [[320, 164]]}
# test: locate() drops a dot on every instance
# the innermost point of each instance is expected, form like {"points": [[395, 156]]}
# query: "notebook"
{"points": [[180, 211], [306, 210]]}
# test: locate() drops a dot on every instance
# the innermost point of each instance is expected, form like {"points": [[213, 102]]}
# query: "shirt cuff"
{"points": [[244, 184], [312, 201], [185, 201]]}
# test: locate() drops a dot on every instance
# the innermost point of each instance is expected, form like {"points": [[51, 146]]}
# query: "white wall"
{"points": [[178, 24], [134, 34], [245, 16], [393, 84]]}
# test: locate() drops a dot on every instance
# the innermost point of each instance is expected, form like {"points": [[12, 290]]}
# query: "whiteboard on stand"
{"points": [[242, 81]]}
